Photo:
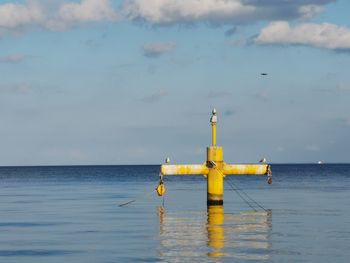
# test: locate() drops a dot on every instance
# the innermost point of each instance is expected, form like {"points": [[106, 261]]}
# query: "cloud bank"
{"points": [[59, 15], [53, 15], [86, 11], [170, 12], [17, 15], [323, 35]]}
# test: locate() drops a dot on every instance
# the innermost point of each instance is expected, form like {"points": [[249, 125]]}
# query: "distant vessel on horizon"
{"points": [[320, 162]]}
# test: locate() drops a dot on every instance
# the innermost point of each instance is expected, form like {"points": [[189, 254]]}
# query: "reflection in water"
{"points": [[212, 236], [215, 230]]}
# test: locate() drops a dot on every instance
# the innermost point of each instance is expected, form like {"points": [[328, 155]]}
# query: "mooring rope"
{"points": [[146, 195], [238, 193], [134, 200], [237, 189]]}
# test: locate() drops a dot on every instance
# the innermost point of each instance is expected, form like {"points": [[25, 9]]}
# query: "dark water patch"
{"points": [[135, 259], [29, 224], [285, 252], [28, 202], [16, 194], [86, 232], [310, 212], [112, 173], [35, 253], [148, 259]]}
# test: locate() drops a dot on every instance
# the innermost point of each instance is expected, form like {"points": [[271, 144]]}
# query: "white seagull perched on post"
{"points": [[263, 160]]}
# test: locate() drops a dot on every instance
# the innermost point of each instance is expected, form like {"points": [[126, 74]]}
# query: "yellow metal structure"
{"points": [[215, 169]]}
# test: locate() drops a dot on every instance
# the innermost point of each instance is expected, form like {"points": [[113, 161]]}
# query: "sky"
{"points": [[134, 81]]}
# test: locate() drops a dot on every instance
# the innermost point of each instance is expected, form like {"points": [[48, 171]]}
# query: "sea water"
{"points": [[72, 214]]}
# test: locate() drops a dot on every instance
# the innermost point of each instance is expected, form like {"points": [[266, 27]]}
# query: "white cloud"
{"points": [[62, 14], [165, 12], [323, 35], [157, 49], [179, 11], [309, 11], [53, 15], [71, 13], [18, 15], [87, 10]]}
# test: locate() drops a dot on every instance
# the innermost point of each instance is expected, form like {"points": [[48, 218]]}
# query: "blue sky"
{"points": [[132, 82]]}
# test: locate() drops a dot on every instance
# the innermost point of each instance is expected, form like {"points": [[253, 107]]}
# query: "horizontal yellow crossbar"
{"points": [[202, 169], [246, 169], [184, 169]]}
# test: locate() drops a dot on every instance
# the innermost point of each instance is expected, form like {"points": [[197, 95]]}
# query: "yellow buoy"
{"points": [[161, 189]]}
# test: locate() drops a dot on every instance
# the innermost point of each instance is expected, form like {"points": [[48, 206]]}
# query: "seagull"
{"points": [[263, 160]]}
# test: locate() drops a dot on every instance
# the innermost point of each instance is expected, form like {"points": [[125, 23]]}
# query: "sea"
{"points": [[113, 214]]}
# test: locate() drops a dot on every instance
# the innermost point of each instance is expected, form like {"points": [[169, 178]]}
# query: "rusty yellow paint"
{"points": [[245, 169], [215, 154], [184, 169]]}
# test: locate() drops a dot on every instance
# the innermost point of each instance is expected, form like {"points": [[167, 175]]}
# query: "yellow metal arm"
{"points": [[184, 169], [246, 169]]}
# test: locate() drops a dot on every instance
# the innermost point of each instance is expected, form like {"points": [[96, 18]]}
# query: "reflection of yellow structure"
{"points": [[192, 236], [216, 233], [161, 212], [215, 169]]}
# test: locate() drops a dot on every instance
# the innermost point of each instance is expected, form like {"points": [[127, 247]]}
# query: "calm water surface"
{"points": [[71, 214]]}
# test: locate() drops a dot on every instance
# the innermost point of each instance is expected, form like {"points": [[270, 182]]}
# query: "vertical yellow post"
{"points": [[215, 163], [213, 121], [215, 187]]}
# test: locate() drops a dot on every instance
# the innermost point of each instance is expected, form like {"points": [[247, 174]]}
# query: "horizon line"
{"points": [[79, 165]]}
